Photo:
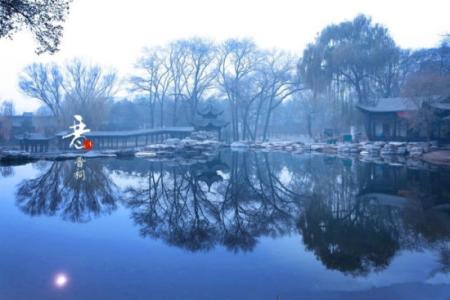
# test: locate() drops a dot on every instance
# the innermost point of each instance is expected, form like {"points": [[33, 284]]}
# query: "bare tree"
{"points": [[199, 71], [283, 82], [43, 18], [154, 79], [89, 90], [44, 82], [176, 64], [76, 89], [237, 62], [424, 88]]}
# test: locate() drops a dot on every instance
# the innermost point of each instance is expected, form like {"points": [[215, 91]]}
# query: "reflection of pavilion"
{"points": [[208, 172], [385, 187]]}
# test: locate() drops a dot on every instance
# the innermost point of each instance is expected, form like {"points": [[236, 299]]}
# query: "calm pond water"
{"points": [[244, 225]]}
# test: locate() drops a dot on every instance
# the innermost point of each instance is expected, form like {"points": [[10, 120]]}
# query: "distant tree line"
{"points": [[75, 88], [186, 73], [357, 62], [261, 92]]}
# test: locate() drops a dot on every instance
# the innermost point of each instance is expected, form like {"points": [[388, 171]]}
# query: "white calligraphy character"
{"points": [[78, 130], [79, 174], [80, 162]]}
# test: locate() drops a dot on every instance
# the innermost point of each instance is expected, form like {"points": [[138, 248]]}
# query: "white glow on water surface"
{"points": [[61, 280]]}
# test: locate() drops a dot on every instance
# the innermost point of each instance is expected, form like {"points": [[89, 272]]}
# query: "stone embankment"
{"points": [[394, 153], [414, 149], [172, 148]]}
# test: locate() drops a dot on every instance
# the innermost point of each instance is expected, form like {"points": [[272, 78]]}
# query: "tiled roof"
{"points": [[390, 105], [133, 132], [33, 137]]}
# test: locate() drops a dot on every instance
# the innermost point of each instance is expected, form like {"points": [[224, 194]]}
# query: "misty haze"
{"points": [[224, 150]]}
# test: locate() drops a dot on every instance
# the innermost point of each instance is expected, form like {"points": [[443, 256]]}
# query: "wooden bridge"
{"points": [[126, 139]]}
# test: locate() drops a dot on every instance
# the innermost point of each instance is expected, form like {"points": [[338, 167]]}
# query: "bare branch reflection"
{"points": [[200, 206], [58, 192], [353, 216]]}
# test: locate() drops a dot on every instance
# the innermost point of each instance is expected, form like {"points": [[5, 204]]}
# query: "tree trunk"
{"points": [[161, 113], [153, 115], [175, 104], [309, 124], [258, 113], [245, 124], [266, 124]]}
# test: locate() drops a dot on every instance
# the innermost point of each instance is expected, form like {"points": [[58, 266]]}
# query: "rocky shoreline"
{"points": [[411, 149], [172, 148], [410, 154], [393, 153]]}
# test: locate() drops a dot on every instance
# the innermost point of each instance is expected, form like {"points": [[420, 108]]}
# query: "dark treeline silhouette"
{"points": [[262, 92], [58, 192], [196, 208], [353, 216]]}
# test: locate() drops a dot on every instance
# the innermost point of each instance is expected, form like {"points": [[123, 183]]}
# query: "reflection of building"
{"points": [[388, 118], [208, 120], [404, 187], [387, 200], [208, 172]]}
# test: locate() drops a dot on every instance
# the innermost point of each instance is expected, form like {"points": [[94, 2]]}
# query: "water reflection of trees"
{"points": [[360, 215], [356, 241], [58, 192], [6, 171], [353, 216], [185, 207]]}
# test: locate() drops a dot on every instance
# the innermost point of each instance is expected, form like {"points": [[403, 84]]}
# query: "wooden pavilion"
{"points": [[209, 120], [387, 119]]}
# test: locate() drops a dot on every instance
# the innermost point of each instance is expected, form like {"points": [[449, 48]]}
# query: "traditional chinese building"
{"points": [[208, 120], [34, 142], [388, 119], [13, 128]]}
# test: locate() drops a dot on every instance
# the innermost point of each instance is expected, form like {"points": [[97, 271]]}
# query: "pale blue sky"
{"points": [[113, 32]]}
